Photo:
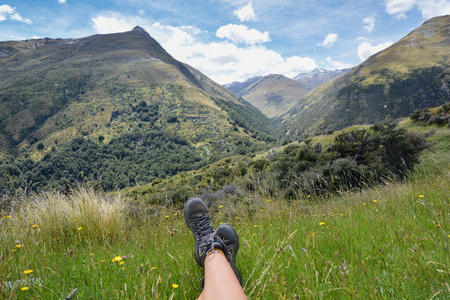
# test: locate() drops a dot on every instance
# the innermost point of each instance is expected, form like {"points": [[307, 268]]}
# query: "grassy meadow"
{"points": [[386, 242]]}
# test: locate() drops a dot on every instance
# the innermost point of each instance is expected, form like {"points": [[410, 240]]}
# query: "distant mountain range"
{"points": [[276, 94], [318, 77], [411, 74], [140, 112]]}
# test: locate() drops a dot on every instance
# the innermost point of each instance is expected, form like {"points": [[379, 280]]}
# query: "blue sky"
{"points": [[231, 40]]}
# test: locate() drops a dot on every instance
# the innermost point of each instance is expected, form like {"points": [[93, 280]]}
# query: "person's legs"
{"points": [[230, 237], [220, 280], [212, 253]]}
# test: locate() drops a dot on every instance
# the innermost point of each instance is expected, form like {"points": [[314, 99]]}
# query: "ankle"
{"points": [[216, 250]]}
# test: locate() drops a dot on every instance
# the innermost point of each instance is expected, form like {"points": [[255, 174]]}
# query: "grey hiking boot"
{"points": [[231, 239], [198, 219]]}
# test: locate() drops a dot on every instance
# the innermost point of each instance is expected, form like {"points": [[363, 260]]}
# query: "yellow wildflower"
{"points": [[79, 228], [103, 260], [117, 258], [175, 286], [313, 234], [375, 201], [34, 226], [309, 196], [364, 203], [122, 262], [220, 206], [253, 233], [19, 246], [322, 223], [421, 196], [255, 226], [24, 288], [92, 254], [261, 210], [269, 200], [153, 268], [27, 272], [175, 214], [167, 216], [75, 220]]}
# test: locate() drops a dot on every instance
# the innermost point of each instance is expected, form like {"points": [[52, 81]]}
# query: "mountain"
{"points": [[272, 94], [318, 77], [411, 74], [115, 109]]}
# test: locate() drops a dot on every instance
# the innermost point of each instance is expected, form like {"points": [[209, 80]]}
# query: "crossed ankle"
{"points": [[216, 250]]}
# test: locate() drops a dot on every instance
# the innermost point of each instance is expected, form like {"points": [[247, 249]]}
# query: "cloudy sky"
{"points": [[232, 40]]}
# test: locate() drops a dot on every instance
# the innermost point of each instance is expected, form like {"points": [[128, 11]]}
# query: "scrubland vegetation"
{"points": [[389, 241]]}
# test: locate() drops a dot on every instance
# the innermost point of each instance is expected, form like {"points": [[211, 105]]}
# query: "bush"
{"points": [[439, 116]]}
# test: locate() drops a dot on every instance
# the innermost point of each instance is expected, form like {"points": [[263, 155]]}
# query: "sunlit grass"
{"points": [[387, 242]]}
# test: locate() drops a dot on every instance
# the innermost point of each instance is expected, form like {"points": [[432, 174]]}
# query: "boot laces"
{"points": [[202, 227]]}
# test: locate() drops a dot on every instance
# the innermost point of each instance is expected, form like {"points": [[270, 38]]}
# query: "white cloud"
{"points": [[369, 24], [398, 7], [246, 13], [62, 1], [104, 24], [8, 12], [5, 10], [428, 8], [240, 34], [329, 40], [433, 8], [225, 62], [331, 64], [365, 49]]}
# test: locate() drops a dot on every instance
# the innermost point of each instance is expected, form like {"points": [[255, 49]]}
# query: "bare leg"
{"points": [[220, 280]]}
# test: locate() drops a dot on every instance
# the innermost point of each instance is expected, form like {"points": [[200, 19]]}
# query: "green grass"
{"points": [[388, 242]]}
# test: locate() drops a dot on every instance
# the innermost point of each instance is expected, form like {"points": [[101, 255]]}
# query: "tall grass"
{"points": [[386, 242]]}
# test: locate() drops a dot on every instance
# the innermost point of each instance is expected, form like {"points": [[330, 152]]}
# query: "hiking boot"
{"points": [[198, 219], [231, 239]]}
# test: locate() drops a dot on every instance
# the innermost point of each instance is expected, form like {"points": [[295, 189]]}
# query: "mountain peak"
{"points": [[138, 28]]}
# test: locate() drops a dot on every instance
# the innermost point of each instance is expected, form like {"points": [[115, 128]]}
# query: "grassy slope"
{"points": [[387, 242]]}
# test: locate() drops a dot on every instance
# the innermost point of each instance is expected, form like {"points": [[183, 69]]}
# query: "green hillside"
{"points": [[352, 159], [114, 109], [385, 242], [411, 74]]}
